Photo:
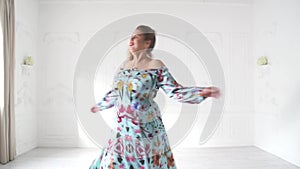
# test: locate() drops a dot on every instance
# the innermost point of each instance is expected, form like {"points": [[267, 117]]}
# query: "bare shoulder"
{"points": [[156, 63]]}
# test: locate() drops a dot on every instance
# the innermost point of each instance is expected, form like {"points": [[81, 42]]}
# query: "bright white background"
{"points": [[262, 106]]}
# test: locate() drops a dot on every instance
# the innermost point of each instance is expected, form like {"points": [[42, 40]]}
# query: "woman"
{"points": [[141, 140]]}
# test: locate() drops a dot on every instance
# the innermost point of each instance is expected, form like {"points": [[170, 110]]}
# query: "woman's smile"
{"points": [[131, 43]]}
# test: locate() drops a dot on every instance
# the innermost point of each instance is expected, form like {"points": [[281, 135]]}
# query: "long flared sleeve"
{"points": [[174, 90], [109, 99]]}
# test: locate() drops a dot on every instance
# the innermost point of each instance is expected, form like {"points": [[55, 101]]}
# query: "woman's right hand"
{"points": [[95, 109], [211, 92]]}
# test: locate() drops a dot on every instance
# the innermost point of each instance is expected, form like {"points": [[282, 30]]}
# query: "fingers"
{"points": [[215, 92], [215, 95], [94, 109], [211, 92]]}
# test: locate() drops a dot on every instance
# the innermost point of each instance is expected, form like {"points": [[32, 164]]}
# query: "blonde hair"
{"points": [[148, 34]]}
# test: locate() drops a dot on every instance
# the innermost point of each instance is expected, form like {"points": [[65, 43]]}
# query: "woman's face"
{"points": [[137, 43]]}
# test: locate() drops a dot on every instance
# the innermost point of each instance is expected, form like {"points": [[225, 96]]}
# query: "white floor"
{"points": [[204, 158]]}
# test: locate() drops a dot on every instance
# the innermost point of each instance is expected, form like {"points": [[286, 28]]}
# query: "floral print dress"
{"points": [[139, 139]]}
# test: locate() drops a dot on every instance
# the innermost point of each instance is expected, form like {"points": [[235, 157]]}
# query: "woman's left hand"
{"points": [[94, 109], [211, 92]]}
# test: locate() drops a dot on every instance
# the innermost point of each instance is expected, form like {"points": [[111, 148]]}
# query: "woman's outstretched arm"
{"points": [[107, 101], [186, 94]]}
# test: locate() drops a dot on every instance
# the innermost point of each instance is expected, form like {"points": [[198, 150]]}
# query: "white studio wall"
{"points": [[261, 106], [26, 39], [66, 26], [276, 35]]}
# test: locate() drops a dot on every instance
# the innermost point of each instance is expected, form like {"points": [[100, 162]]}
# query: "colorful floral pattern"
{"points": [[139, 140]]}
